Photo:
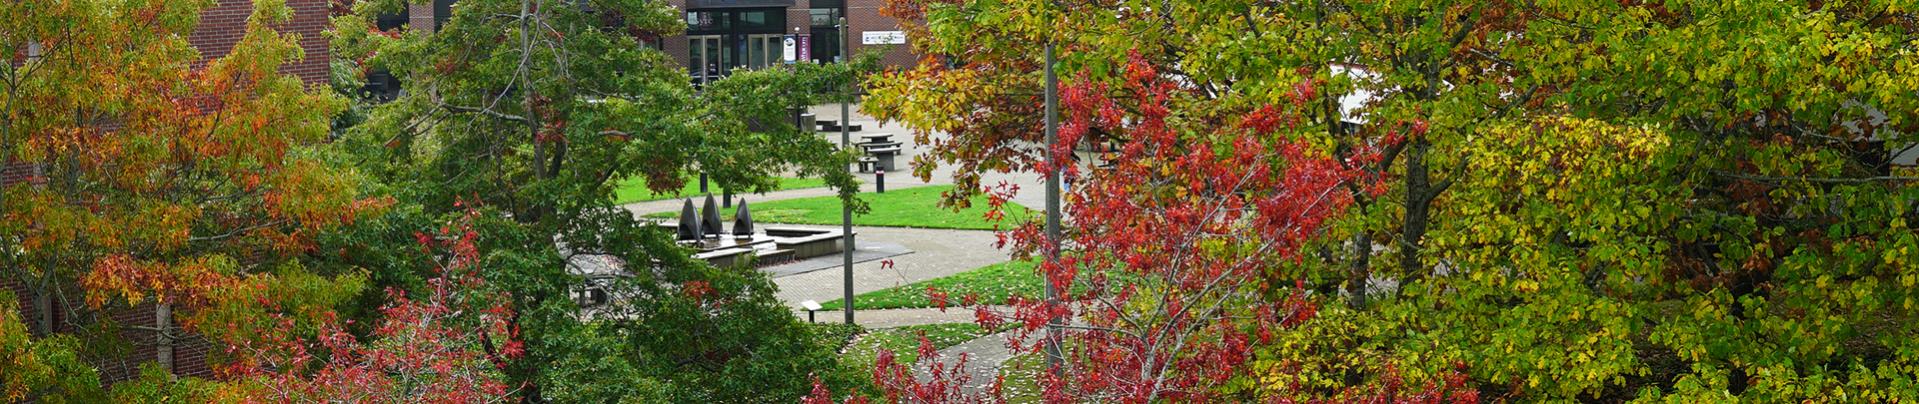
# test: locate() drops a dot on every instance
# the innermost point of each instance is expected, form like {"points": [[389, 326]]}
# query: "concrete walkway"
{"points": [[984, 357], [894, 318], [936, 254]]}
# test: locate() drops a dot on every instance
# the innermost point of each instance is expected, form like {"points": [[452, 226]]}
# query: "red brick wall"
{"points": [[419, 17], [864, 15], [221, 27]]}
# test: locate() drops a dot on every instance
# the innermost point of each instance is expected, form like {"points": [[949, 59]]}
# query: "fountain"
{"points": [[762, 246]]}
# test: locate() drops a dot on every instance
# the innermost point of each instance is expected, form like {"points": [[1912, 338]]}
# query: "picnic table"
{"points": [[881, 137]]}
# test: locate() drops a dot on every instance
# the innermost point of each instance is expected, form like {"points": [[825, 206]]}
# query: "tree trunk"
{"points": [[1419, 198], [1362, 259], [163, 322], [42, 311]]}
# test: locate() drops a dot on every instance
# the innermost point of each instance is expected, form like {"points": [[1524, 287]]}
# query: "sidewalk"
{"points": [[894, 318]]}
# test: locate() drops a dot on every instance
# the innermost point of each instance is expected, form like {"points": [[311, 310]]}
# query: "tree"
{"points": [[162, 183], [1172, 241], [537, 109], [42, 369], [449, 346], [1709, 206]]}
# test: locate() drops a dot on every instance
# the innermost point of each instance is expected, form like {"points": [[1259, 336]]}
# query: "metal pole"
{"points": [[846, 209], [1053, 358]]}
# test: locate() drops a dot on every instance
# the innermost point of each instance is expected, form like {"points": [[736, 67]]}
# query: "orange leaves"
{"points": [[122, 278]]}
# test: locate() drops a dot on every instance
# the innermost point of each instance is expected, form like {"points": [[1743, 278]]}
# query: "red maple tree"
{"points": [[447, 346], [1163, 275]]}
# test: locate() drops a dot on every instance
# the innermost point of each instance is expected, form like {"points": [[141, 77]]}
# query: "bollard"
{"points": [[879, 180], [726, 198], [702, 183]]}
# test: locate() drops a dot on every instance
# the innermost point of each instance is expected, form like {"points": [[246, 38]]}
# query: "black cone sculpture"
{"points": [[742, 221], [689, 228], [710, 218]]}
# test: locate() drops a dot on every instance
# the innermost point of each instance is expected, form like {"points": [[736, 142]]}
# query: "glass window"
{"points": [[755, 52], [752, 19], [823, 17]]}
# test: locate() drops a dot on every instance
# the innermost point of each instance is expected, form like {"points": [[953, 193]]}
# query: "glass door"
{"points": [[764, 50], [707, 59]]}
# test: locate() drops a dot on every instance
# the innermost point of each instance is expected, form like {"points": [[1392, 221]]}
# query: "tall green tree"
{"points": [[535, 110]]}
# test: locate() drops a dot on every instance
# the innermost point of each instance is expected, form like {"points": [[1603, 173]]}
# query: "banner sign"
{"points": [[805, 45], [789, 49], [882, 38]]}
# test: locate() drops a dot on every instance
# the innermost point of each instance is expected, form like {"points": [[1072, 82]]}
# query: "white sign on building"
{"points": [[882, 37]]}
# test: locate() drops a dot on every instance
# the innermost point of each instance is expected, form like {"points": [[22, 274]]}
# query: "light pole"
{"points": [[1053, 358], [846, 207]]}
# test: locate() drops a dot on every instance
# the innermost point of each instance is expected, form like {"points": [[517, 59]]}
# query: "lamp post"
{"points": [[1053, 357], [846, 207]]}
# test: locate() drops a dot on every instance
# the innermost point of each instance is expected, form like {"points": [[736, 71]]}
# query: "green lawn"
{"points": [[1021, 377], [634, 189], [905, 342], [994, 283], [907, 207]]}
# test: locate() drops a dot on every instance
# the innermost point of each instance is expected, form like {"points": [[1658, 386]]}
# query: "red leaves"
{"points": [[938, 298], [437, 348], [1174, 238]]}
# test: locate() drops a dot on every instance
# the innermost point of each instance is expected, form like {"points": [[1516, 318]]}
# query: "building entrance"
{"points": [[719, 41]]}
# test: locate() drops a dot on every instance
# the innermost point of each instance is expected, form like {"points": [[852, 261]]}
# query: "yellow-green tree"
{"points": [[1603, 200], [162, 178]]}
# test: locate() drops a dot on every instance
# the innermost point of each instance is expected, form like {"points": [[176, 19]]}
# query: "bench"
{"points": [[831, 126], [879, 159], [878, 145]]}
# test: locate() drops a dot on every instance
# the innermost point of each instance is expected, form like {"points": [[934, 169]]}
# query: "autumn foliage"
{"points": [[447, 346]]}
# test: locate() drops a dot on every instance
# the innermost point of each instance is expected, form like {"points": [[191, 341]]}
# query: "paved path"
{"points": [[894, 318], [984, 355], [936, 253], [1030, 184]]}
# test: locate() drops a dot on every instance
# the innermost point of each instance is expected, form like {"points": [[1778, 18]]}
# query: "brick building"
{"points": [[220, 27], [725, 34]]}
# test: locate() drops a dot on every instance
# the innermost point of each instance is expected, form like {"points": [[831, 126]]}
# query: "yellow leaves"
{"points": [[1526, 286]]}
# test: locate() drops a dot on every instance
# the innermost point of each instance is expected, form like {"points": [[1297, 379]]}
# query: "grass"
{"points": [[907, 207], [905, 342], [994, 283], [634, 189], [1021, 377]]}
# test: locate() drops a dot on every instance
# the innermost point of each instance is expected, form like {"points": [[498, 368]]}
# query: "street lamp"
{"points": [[846, 207]]}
